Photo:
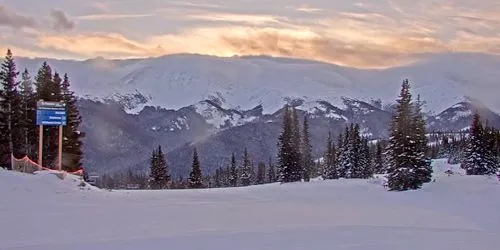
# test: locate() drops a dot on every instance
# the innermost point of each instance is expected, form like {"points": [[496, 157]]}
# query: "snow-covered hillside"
{"points": [[178, 81], [454, 212]]}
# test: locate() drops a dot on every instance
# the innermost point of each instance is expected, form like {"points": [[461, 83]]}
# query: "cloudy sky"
{"points": [[363, 33]]}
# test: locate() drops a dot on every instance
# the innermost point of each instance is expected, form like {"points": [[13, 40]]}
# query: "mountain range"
{"points": [[222, 105]]}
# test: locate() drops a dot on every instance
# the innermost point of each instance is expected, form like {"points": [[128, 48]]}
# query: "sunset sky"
{"points": [[364, 33]]}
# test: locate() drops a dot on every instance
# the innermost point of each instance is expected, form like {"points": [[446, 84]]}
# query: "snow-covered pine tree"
{"points": [[195, 177], [365, 160], [474, 161], [72, 142], [28, 109], [307, 158], [261, 173], [379, 166], [421, 162], [271, 172], [329, 164], [246, 170], [407, 166], [159, 177], [233, 172], [342, 155], [218, 178], [491, 158]]}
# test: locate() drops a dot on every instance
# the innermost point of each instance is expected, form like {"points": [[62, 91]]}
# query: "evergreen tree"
{"points": [[246, 170], [28, 109], [297, 169], [379, 166], [159, 177], [354, 153], [287, 157], [342, 162], [480, 156], [10, 112], [195, 177], [307, 158], [261, 173], [271, 172], [329, 162], [407, 168], [72, 136], [233, 172], [365, 160]]}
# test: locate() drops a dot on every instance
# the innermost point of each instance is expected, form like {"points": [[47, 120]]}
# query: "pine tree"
{"points": [[271, 172], [329, 162], [354, 153], [72, 136], [341, 164], [233, 172], [407, 168], [307, 158], [261, 173], [379, 166], [365, 160], [246, 170], [159, 177], [195, 177], [297, 169], [285, 149], [10, 112], [421, 162], [28, 109]]}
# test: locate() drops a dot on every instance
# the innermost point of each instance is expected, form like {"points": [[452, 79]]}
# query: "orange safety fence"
{"points": [[26, 165]]}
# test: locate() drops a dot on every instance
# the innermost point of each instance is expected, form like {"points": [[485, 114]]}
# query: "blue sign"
{"points": [[51, 114]]}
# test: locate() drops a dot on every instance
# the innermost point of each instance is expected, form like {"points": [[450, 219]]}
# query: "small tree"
{"points": [[271, 172], [261, 173], [233, 172], [246, 170], [307, 158], [195, 177], [159, 177]]}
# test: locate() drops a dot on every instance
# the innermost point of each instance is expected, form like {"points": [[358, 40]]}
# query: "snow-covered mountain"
{"points": [[223, 105], [242, 83]]}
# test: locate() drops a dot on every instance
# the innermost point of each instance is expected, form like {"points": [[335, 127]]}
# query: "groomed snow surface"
{"points": [[454, 212]]}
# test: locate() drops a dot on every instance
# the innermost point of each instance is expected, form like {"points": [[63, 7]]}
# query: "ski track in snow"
{"points": [[455, 212]]}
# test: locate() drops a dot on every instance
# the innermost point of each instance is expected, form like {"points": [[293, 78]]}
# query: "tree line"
{"points": [[18, 129], [404, 158]]}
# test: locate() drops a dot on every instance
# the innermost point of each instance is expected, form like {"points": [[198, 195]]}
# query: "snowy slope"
{"points": [[178, 81], [455, 212]]}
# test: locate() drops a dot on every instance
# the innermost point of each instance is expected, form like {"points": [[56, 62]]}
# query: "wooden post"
{"points": [[40, 145], [59, 162]]}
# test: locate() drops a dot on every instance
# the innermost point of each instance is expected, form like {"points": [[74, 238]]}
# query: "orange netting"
{"points": [[26, 165]]}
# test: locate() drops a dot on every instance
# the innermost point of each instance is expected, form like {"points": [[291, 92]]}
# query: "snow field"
{"points": [[454, 212]]}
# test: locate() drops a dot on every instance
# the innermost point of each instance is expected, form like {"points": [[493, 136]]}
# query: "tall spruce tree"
{"points": [[341, 163], [422, 163], [329, 160], [407, 167], [478, 156], [28, 109], [365, 160], [10, 111], [72, 136], [246, 170], [379, 166], [286, 151], [307, 158], [233, 172], [159, 177], [195, 177], [298, 169]]}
